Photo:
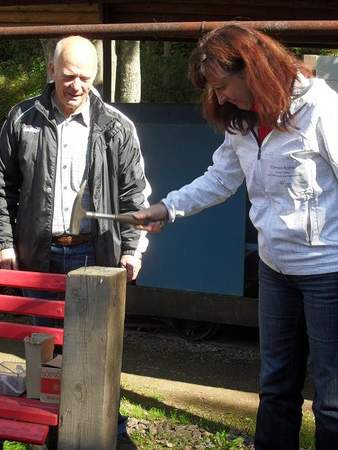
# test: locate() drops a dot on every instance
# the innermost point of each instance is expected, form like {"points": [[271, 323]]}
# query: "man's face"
{"points": [[74, 75]]}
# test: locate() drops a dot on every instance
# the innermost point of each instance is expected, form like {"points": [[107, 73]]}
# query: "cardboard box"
{"points": [[51, 380], [39, 348]]}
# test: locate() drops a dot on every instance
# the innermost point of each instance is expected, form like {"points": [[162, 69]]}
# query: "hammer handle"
{"points": [[122, 218]]}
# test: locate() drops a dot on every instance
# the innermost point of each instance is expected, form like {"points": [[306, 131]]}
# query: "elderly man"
{"points": [[48, 145]]}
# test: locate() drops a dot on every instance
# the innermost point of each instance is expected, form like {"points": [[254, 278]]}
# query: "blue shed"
{"points": [[202, 255]]}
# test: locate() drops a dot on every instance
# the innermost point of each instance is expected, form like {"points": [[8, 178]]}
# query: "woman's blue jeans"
{"points": [[298, 319]]}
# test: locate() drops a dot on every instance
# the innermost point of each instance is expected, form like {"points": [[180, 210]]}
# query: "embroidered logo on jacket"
{"points": [[30, 129]]}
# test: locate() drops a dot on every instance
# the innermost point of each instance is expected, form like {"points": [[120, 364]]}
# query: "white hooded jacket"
{"points": [[292, 182]]}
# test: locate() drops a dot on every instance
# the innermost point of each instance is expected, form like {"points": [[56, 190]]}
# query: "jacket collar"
{"points": [[99, 119], [301, 93], [44, 102]]}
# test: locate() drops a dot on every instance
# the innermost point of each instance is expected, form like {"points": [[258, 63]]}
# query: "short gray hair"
{"points": [[60, 46]]}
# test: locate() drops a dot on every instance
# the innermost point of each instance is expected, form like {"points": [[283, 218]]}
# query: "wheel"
{"points": [[194, 330]]}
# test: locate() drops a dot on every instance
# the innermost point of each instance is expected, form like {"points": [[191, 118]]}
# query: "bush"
{"points": [[22, 72], [164, 67]]}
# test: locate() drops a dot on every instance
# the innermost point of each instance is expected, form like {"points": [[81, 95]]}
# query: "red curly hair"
{"points": [[270, 71]]}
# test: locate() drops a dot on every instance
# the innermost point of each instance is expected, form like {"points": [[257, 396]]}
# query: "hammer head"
{"points": [[78, 213]]}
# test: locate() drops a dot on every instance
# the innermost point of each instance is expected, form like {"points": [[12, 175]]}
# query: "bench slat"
{"points": [[23, 432], [18, 331], [33, 280], [28, 410], [22, 419], [32, 306]]}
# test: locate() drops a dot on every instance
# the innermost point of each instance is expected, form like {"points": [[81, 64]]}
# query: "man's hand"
{"points": [[132, 264], [155, 216], [8, 259]]}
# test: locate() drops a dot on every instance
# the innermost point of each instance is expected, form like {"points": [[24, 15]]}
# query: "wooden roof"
{"points": [[92, 12], [49, 12]]}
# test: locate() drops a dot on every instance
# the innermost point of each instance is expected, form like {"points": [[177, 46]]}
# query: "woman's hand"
{"points": [[154, 217]]}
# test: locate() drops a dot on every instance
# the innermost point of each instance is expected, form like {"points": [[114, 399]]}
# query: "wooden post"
{"points": [[92, 355], [107, 71]]}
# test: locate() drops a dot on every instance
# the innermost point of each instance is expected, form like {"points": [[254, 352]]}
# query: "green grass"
{"points": [[307, 431], [219, 438], [14, 446], [166, 437], [222, 440], [220, 426], [138, 411]]}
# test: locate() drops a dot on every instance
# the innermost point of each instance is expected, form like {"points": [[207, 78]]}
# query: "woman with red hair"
{"points": [[281, 136]]}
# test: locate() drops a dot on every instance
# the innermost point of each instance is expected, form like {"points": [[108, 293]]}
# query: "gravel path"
{"points": [[210, 379]]}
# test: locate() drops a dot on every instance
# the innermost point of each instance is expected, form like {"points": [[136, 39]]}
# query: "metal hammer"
{"points": [[79, 213]]}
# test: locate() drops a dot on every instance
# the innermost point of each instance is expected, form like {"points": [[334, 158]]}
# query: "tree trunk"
{"points": [[99, 76], [48, 46], [128, 77]]}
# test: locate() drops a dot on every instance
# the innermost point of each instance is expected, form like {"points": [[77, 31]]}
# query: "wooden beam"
{"points": [[107, 70], [107, 60], [82, 11], [92, 354], [164, 11], [49, 14]]}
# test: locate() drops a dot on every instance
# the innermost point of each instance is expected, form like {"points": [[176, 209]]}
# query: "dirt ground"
{"points": [[209, 379], [210, 376], [216, 380]]}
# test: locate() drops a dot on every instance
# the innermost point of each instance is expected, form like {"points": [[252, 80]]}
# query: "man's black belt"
{"points": [[69, 239]]}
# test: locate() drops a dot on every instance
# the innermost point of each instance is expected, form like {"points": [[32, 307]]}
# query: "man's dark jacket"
{"points": [[28, 154]]}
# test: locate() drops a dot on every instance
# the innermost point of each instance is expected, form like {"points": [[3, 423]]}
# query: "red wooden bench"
{"points": [[22, 419]]}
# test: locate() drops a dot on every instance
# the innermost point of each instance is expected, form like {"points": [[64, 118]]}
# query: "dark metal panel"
{"points": [[204, 252], [203, 307]]}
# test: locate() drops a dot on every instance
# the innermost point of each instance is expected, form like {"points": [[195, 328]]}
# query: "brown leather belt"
{"points": [[68, 239]]}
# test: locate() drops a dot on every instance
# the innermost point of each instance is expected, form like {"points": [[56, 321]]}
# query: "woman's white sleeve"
{"points": [[327, 133]]}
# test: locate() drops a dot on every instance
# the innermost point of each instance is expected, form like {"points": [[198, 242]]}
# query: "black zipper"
{"points": [[258, 143], [42, 112]]}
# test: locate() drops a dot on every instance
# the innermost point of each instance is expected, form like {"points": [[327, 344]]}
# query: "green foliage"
{"points": [[20, 50], [300, 52], [222, 440], [14, 446], [22, 72], [164, 67]]}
